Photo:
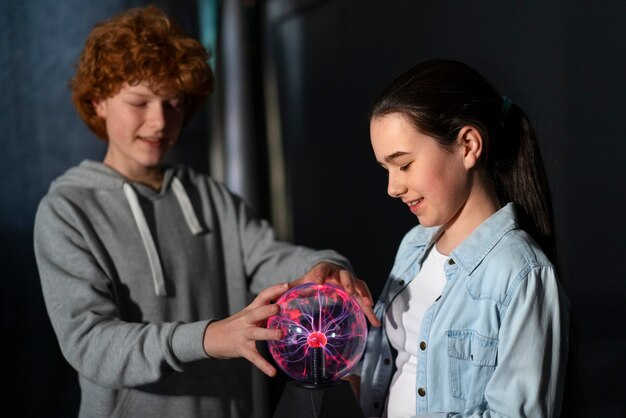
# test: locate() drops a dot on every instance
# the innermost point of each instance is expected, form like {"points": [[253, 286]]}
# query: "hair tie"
{"points": [[506, 106]]}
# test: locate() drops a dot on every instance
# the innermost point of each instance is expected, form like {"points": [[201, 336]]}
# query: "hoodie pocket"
{"points": [[472, 361]]}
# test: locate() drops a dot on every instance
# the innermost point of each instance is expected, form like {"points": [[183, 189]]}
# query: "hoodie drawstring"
{"points": [[146, 236], [186, 207], [148, 242]]}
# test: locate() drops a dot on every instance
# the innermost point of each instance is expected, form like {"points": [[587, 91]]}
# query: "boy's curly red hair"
{"points": [[139, 45]]}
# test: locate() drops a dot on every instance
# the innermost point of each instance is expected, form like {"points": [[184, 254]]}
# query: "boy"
{"points": [[139, 260]]}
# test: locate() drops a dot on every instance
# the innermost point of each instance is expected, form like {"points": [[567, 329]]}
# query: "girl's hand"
{"points": [[236, 336]]}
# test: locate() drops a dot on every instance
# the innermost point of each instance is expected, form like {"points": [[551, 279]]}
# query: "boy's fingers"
{"points": [[347, 281], [259, 361], [265, 296], [263, 334]]}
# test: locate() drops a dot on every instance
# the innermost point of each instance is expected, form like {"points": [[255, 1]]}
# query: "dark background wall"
{"points": [[561, 61]]}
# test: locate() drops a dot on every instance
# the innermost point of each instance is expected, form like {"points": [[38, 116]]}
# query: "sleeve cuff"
{"points": [[328, 256], [187, 341]]}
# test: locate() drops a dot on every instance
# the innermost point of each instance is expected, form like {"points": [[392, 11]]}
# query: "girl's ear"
{"points": [[471, 142]]}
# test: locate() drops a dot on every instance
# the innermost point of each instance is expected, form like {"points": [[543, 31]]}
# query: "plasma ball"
{"points": [[316, 340], [324, 333]]}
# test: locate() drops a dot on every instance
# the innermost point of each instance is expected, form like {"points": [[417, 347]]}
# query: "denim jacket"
{"points": [[494, 344]]}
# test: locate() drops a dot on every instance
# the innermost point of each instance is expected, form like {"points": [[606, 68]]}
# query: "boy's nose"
{"points": [[157, 116]]}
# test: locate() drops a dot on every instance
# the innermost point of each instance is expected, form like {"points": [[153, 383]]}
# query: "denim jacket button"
{"points": [[451, 262], [421, 392], [386, 361], [401, 282], [423, 345]]}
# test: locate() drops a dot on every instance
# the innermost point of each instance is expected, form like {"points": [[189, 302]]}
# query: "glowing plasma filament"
{"points": [[316, 340]]}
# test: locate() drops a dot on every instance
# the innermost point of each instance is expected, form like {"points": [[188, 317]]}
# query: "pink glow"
{"points": [[318, 316]]}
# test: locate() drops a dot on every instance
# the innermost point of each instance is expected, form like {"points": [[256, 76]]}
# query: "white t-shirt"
{"points": [[402, 325]]}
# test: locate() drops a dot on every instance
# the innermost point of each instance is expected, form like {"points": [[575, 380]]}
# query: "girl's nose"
{"points": [[395, 187]]}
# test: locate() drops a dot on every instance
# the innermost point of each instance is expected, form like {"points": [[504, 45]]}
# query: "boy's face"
{"points": [[141, 125]]}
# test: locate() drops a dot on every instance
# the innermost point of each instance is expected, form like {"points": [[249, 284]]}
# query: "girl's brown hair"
{"points": [[440, 97]]}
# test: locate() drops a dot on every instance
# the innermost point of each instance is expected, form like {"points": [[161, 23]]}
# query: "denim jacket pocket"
{"points": [[472, 360]]}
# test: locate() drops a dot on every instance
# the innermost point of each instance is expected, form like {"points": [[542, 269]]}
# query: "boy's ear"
{"points": [[100, 107], [471, 143]]}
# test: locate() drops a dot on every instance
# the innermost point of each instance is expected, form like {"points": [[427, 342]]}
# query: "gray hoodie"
{"points": [[132, 276]]}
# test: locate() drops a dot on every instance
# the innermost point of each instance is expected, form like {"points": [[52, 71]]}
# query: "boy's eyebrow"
{"points": [[166, 97], [395, 155], [135, 93]]}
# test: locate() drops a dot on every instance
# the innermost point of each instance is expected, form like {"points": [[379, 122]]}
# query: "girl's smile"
{"points": [[414, 205], [429, 179], [441, 186]]}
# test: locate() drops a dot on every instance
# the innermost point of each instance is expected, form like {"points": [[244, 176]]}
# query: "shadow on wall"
{"points": [[40, 382]]}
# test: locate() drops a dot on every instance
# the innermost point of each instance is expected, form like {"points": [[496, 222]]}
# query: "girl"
{"points": [[475, 321]]}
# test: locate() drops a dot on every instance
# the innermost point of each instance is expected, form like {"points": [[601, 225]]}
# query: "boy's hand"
{"points": [[236, 335], [357, 288]]}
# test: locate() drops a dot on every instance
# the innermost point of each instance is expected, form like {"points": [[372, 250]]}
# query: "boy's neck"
{"points": [[150, 177]]}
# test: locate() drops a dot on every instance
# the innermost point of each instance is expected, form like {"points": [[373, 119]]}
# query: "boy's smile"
{"points": [[141, 126]]}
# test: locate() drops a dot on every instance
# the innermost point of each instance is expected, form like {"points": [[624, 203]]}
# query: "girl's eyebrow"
{"points": [[395, 155]]}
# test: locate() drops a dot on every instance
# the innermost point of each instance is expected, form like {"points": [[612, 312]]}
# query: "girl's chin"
{"points": [[426, 222]]}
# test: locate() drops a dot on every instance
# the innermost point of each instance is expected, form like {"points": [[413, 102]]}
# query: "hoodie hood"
{"points": [[92, 174]]}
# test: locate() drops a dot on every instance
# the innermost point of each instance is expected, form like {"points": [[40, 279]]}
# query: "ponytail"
{"points": [[440, 97], [519, 175]]}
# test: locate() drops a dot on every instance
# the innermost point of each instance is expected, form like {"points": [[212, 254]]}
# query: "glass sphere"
{"points": [[324, 333]]}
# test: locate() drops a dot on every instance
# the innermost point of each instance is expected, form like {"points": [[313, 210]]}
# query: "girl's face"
{"points": [[433, 182], [142, 126]]}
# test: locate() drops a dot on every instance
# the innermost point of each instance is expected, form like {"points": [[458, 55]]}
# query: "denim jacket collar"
{"points": [[474, 248], [470, 253]]}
